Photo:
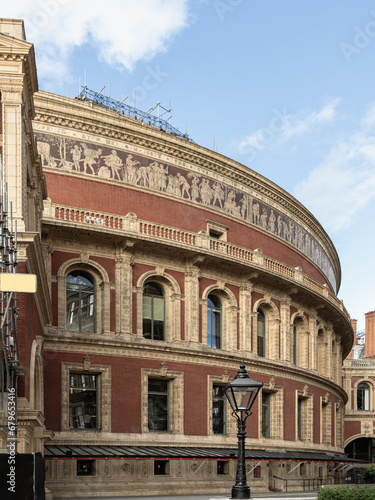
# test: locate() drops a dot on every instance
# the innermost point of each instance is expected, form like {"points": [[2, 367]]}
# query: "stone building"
{"points": [[359, 383], [161, 266]]}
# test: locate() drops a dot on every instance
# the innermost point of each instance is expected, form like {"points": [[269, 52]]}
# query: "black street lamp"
{"points": [[241, 394]]}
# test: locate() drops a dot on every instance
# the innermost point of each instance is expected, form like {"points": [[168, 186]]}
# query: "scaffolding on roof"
{"points": [[147, 117]]}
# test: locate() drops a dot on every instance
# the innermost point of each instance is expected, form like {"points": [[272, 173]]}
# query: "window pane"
{"points": [[153, 311], [214, 322], [155, 385], [72, 308], [147, 329], [266, 415], [82, 401], [87, 320], [261, 333], [158, 330], [147, 307], [218, 410], [158, 405], [80, 302], [157, 412], [80, 278], [218, 417], [209, 328], [158, 308], [153, 289], [217, 330]]}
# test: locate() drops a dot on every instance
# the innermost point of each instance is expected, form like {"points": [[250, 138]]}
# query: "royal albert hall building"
{"points": [[161, 266]]}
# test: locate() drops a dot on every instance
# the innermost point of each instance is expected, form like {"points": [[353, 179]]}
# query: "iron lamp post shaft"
{"points": [[241, 489]]}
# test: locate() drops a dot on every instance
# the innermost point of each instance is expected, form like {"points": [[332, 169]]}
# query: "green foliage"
{"points": [[347, 493], [371, 470]]}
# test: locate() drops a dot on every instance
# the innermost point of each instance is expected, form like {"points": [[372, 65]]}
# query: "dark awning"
{"points": [[170, 453]]}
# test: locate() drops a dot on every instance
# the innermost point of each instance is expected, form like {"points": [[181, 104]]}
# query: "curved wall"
{"points": [[130, 205]]}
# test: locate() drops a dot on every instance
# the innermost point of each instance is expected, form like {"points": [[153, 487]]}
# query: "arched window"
{"points": [[153, 311], [363, 396], [80, 302], [214, 322], [261, 334]]}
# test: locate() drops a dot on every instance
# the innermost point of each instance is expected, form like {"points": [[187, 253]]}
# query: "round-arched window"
{"points": [[214, 309], [363, 396], [80, 302], [153, 311]]}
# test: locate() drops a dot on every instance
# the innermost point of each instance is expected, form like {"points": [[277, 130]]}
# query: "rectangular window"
{"points": [[223, 467], [257, 471], [218, 410], [83, 401], [161, 467], [158, 405], [85, 467], [266, 414]]}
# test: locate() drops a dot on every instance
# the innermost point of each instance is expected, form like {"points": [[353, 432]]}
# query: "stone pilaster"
{"points": [[124, 302], [105, 289], [245, 318], [286, 331], [313, 347], [230, 336], [329, 337], [192, 275]]}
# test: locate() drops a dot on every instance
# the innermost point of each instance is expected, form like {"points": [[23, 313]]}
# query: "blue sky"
{"points": [[284, 87]]}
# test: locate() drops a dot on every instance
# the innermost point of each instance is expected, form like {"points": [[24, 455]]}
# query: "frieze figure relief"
{"points": [[114, 163], [121, 166], [218, 194]]}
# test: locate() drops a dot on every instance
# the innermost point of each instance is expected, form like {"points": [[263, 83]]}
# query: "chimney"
{"points": [[370, 335]]}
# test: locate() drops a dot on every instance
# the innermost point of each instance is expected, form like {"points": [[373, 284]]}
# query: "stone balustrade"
{"points": [[131, 224]]}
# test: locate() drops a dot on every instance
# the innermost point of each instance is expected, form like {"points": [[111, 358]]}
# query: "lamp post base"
{"points": [[241, 492]]}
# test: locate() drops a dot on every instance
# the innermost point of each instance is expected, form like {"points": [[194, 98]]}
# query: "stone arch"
{"points": [[359, 446], [102, 289], [173, 298], [229, 315], [358, 436], [272, 327]]}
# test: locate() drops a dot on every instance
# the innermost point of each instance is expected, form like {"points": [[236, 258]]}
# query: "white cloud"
{"points": [[343, 184], [283, 126], [369, 118], [122, 32], [297, 124]]}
